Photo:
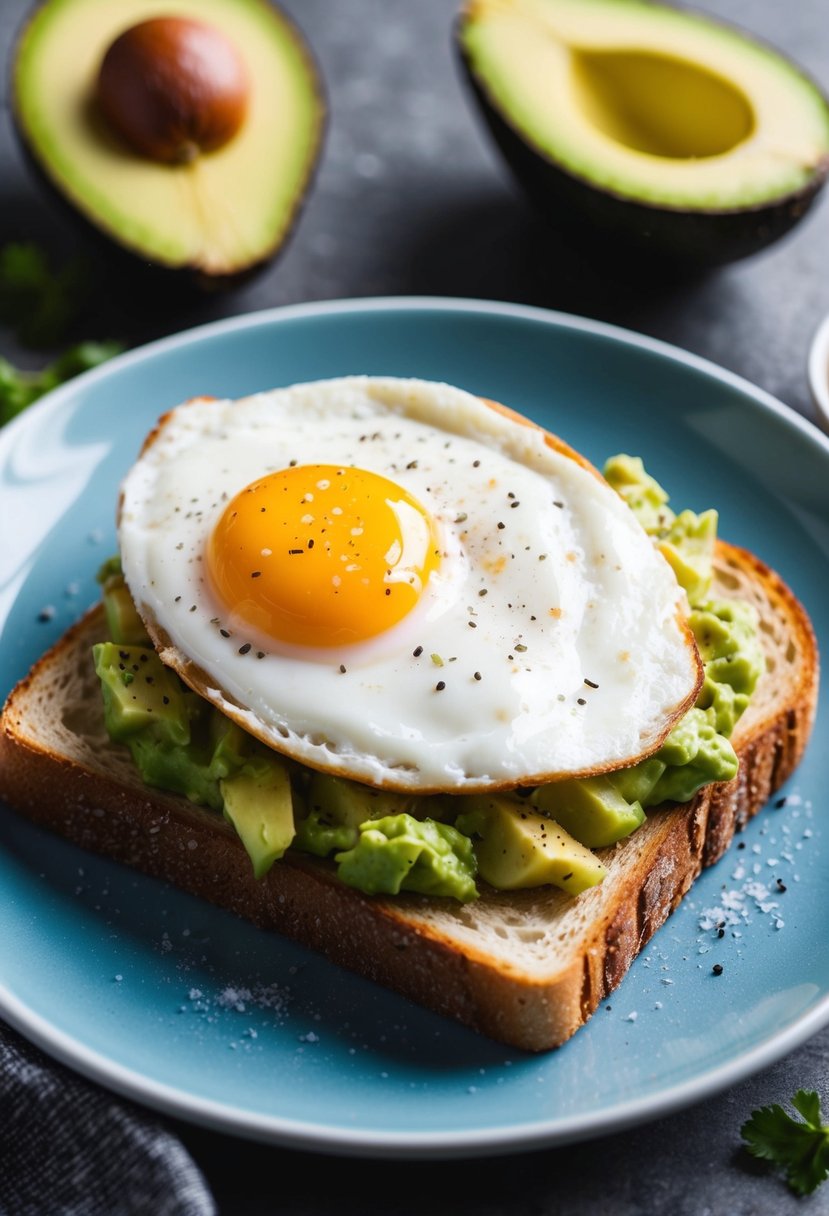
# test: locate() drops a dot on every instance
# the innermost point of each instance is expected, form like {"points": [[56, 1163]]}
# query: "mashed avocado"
{"points": [[401, 853], [697, 751], [385, 843]]}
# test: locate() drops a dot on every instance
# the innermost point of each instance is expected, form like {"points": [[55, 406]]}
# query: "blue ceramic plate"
{"points": [[191, 1011]]}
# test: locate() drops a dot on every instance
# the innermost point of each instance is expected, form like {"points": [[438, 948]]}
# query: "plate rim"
{"points": [[411, 1145], [341, 1140], [817, 366], [351, 304]]}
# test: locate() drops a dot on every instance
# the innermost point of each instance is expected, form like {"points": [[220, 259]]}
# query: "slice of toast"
{"points": [[525, 967]]}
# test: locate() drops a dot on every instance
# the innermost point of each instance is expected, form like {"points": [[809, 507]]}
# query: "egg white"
{"points": [[550, 643]]}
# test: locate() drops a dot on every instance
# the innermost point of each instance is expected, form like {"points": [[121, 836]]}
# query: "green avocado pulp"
{"points": [[648, 102], [386, 843]]}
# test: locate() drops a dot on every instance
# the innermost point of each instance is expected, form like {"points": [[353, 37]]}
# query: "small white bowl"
{"points": [[819, 372]]}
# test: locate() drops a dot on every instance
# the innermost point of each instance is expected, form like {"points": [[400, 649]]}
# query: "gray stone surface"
{"points": [[411, 199]]}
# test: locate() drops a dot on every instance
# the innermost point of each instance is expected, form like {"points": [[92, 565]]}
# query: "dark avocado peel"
{"points": [[645, 129], [224, 201]]}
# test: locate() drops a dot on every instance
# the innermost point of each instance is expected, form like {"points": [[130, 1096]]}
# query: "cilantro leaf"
{"points": [[20, 388], [802, 1148], [39, 302]]}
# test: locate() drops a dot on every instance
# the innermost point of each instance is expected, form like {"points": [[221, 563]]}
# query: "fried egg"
{"points": [[399, 582]]}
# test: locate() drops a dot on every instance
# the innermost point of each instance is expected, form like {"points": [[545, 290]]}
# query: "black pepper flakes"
{"points": [[717, 969]]}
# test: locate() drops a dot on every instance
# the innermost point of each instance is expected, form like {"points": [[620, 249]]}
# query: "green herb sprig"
{"points": [[20, 388], [39, 303], [801, 1147]]}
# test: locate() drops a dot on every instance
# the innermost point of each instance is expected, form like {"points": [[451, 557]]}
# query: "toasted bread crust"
{"points": [[417, 946]]}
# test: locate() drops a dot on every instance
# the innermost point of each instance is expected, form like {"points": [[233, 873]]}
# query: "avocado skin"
{"points": [[615, 225], [107, 243]]}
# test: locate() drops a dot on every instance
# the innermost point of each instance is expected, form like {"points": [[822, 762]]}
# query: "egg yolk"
{"points": [[319, 555]]}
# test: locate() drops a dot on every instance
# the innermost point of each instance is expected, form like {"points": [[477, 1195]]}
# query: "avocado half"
{"points": [[647, 127], [225, 211]]}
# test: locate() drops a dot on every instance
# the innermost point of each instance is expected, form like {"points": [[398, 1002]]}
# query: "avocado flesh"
{"points": [[336, 809], [592, 810], [259, 803], [123, 622], [516, 847], [140, 692], [648, 103], [225, 211]]}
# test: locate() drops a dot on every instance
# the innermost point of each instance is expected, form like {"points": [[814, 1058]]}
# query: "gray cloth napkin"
{"points": [[68, 1148]]}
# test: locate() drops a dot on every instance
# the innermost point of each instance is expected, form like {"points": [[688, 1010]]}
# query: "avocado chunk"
{"points": [[727, 636], [401, 853], [695, 754], [229, 746], [517, 847], [140, 694], [642, 493], [688, 547], [686, 541], [592, 810], [227, 198], [123, 622], [336, 810], [647, 127], [259, 803], [637, 783]]}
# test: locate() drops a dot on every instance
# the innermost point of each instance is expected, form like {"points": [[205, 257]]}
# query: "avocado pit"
{"points": [[173, 88]]}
